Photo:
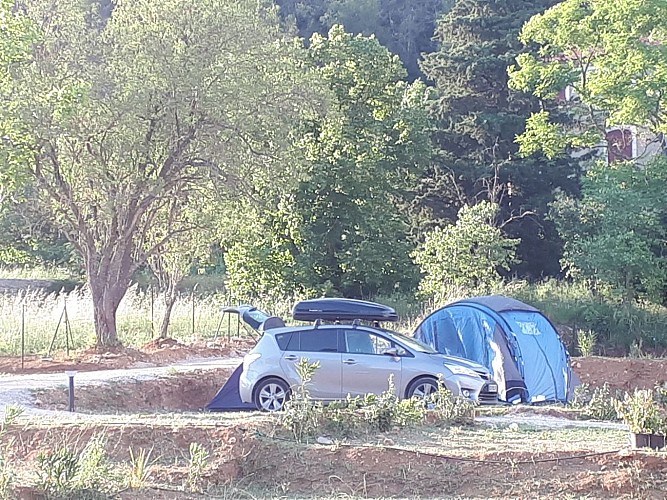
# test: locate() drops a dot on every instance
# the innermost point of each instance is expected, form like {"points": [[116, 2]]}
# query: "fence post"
{"points": [[193, 309], [152, 312], [22, 335]]}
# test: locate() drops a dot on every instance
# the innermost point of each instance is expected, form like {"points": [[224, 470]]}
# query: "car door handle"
{"points": [[349, 362], [291, 358]]}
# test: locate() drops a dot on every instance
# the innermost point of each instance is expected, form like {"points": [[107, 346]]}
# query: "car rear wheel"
{"points": [[422, 388], [271, 394]]}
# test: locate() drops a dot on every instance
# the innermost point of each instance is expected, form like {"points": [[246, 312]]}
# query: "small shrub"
{"points": [[140, 468], [596, 403], [661, 393], [12, 412], [301, 414], [198, 458], [640, 411], [586, 342], [90, 474], [449, 409], [56, 471], [383, 411]]}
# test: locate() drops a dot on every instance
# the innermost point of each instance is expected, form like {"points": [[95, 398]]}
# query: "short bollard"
{"points": [[70, 375]]}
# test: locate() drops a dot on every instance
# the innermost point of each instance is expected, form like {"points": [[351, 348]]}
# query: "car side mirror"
{"points": [[392, 351]]}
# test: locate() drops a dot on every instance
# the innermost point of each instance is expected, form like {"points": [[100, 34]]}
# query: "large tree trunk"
{"points": [[106, 298], [109, 272]]}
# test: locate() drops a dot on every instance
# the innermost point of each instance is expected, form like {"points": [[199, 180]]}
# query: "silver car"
{"points": [[354, 360]]}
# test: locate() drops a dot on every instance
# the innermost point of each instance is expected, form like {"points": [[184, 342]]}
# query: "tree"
{"points": [[120, 116], [616, 234], [614, 58], [467, 254], [343, 229], [612, 54], [405, 27], [479, 118], [194, 236], [360, 159]]}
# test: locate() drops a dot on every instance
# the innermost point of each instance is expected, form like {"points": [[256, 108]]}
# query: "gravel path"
{"points": [[546, 421], [17, 389]]}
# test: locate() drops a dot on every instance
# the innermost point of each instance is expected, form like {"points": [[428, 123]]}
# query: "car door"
{"points": [[317, 345], [366, 369]]}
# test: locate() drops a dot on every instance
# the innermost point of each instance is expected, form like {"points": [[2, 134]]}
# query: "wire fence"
{"points": [[35, 322]]}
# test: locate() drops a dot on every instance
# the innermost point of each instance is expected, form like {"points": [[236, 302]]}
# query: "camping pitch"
{"points": [[515, 341]]}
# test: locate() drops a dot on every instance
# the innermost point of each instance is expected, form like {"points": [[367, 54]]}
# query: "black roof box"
{"points": [[342, 310]]}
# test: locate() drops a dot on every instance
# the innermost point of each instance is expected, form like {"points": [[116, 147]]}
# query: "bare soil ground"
{"points": [[251, 458], [248, 459], [621, 373], [158, 352]]}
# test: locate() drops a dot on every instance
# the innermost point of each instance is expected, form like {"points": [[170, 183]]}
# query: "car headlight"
{"points": [[461, 370]]}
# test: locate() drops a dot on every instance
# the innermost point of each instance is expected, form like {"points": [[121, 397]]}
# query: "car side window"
{"points": [[283, 340], [362, 342], [318, 341]]}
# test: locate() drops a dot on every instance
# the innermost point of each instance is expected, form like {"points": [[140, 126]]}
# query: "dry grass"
{"points": [[138, 317]]}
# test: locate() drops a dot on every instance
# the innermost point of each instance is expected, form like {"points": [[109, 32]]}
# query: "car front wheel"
{"points": [[271, 394], [422, 388]]}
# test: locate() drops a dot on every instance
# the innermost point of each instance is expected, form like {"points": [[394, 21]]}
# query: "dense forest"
{"points": [[357, 148]]}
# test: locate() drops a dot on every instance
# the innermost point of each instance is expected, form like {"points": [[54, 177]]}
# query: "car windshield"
{"points": [[412, 343]]}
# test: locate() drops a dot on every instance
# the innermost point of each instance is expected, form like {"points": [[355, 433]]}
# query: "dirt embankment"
{"points": [[242, 454], [625, 374], [190, 391]]}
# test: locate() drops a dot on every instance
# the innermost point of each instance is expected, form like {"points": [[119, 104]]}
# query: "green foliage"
{"points": [[140, 467], [65, 473], [197, 463], [404, 27], [300, 414], [478, 119], [468, 254], [7, 475], [386, 410], [343, 228], [640, 411], [596, 403], [616, 234], [586, 342], [611, 53], [175, 99], [373, 412], [445, 408]]}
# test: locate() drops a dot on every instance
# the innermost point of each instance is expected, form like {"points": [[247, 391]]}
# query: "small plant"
{"points": [[449, 409], [140, 470], [96, 472], [640, 412], [586, 342], [12, 412], [661, 393], [198, 458], [595, 403], [56, 471], [64, 473], [383, 411], [301, 414]]}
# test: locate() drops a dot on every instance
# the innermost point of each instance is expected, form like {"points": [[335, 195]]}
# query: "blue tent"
{"points": [[515, 341]]}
